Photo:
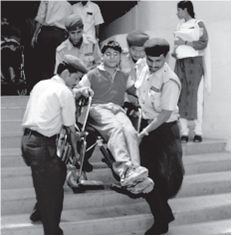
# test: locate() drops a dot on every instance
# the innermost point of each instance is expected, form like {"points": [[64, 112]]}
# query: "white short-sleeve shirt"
{"points": [[157, 91], [54, 13], [91, 16], [51, 105]]}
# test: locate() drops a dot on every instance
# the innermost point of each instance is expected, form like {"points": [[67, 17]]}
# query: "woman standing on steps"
{"points": [[192, 68]]}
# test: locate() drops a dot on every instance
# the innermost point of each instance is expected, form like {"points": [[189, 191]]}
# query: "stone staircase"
{"points": [[202, 207]]}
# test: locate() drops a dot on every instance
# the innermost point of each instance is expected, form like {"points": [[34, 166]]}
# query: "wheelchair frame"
{"points": [[79, 185], [83, 107]]}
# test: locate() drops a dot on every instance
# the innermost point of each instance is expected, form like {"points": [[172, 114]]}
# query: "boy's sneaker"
{"points": [[145, 186], [133, 175]]}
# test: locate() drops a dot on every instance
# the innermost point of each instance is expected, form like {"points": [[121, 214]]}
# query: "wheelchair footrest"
{"points": [[91, 183]]}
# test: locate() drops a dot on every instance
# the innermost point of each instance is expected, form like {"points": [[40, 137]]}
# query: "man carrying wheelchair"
{"points": [[107, 116]]}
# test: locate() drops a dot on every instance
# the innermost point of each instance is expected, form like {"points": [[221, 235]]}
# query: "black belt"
{"points": [[28, 131], [53, 27], [148, 121]]}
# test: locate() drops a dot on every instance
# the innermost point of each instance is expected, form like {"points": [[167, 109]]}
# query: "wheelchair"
{"points": [[18, 85], [90, 138]]}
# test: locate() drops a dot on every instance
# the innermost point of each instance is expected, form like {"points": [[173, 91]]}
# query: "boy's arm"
{"points": [[82, 91], [132, 91], [83, 88]]}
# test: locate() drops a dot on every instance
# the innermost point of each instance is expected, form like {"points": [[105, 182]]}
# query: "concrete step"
{"points": [[209, 162], [12, 163], [11, 140], [208, 145], [220, 227], [13, 158], [14, 101], [10, 113], [117, 219], [21, 177], [21, 199], [7, 126], [200, 163], [206, 228]]}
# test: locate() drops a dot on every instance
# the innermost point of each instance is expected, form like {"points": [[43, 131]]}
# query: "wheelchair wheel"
{"points": [[21, 88], [22, 92]]}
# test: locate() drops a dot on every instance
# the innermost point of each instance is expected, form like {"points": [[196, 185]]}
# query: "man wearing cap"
{"points": [[50, 107], [158, 90], [83, 46], [135, 41], [49, 33]]}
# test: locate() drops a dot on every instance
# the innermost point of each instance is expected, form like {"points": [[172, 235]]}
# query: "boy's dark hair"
{"points": [[188, 5], [113, 45], [63, 66]]}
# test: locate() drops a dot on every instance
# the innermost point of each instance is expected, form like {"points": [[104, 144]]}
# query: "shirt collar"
{"points": [[84, 41], [102, 67], [159, 74], [58, 79], [131, 60], [85, 4]]}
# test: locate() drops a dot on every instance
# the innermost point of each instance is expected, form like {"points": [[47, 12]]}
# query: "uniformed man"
{"points": [[135, 41], [49, 33], [50, 107], [83, 46], [158, 90]]}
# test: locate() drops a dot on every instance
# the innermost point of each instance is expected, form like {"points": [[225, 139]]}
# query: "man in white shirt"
{"points": [[158, 89], [91, 15], [49, 33], [50, 107]]}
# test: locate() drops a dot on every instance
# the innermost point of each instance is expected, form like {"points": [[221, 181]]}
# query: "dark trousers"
{"points": [[161, 154], [49, 39], [48, 173], [30, 67]]}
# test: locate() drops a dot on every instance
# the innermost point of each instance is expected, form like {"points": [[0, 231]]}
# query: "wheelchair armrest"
{"points": [[130, 108]]}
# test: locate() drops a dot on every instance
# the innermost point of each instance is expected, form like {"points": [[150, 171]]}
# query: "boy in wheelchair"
{"points": [[107, 116]]}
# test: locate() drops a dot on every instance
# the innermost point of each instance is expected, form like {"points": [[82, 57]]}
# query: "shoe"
{"points": [[157, 229], [35, 215], [145, 186], [197, 139], [184, 139], [133, 175]]}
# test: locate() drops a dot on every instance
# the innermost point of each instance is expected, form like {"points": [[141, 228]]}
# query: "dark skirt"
{"points": [[161, 153], [190, 72]]}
